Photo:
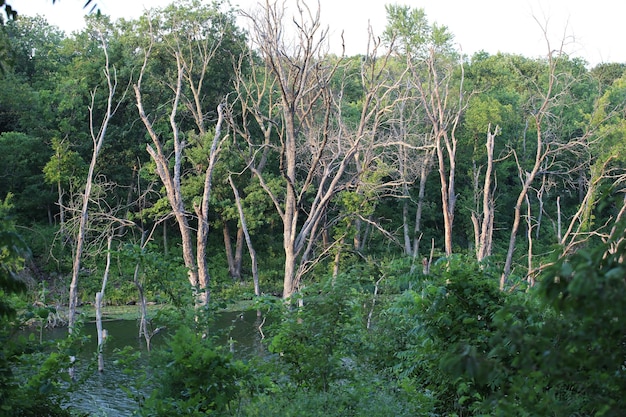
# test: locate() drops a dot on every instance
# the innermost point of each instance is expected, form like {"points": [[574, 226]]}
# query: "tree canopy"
{"points": [[431, 233]]}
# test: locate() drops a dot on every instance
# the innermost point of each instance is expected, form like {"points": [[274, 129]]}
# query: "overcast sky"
{"points": [[594, 29]]}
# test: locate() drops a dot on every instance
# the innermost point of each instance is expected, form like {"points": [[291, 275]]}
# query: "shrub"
{"points": [[192, 378], [442, 331], [314, 342]]}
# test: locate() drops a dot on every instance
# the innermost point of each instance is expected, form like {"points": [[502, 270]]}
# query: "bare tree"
{"points": [[443, 113], [415, 159], [301, 79], [437, 74], [101, 333], [192, 49], [244, 228], [546, 97], [292, 101], [483, 226], [98, 134]]}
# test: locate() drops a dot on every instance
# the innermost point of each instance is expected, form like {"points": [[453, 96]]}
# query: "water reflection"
{"points": [[103, 394]]}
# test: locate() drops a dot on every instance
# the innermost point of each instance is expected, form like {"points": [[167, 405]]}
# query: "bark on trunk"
{"points": [[97, 137], [448, 197], [417, 232], [244, 228], [233, 257], [483, 228], [102, 333]]}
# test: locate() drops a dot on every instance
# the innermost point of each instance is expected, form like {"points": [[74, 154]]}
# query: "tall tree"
{"points": [[545, 93], [438, 77], [192, 37], [294, 99], [98, 131]]}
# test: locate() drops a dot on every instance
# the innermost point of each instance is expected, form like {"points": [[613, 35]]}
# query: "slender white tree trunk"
{"points": [[483, 227], [97, 138], [244, 227], [102, 333]]}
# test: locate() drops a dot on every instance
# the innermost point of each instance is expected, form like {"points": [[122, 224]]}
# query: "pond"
{"points": [[102, 393]]}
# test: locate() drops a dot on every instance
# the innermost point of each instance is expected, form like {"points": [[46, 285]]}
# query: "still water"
{"points": [[103, 394]]}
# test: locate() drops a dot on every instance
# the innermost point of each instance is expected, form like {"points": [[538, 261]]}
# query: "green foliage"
{"points": [[412, 34], [557, 350], [12, 250], [43, 390], [317, 341], [33, 381], [22, 160], [449, 341], [367, 397], [585, 368], [320, 365], [65, 166], [159, 274], [440, 332], [192, 378]]}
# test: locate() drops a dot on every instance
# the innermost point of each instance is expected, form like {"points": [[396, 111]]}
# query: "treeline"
{"points": [[214, 164], [409, 149]]}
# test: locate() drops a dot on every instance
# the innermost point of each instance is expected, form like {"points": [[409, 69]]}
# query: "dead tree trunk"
{"points": [[233, 257], [244, 227], [483, 228], [97, 137], [202, 211], [437, 98], [318, 152], [192, 50], [102, 333]]}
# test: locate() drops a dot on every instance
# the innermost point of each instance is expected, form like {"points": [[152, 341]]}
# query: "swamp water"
{"points": [[102, 393]]}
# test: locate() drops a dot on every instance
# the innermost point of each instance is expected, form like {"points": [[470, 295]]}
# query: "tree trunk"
{"points": [[484, 227], [436, 98], [101, 333], [529, 236], [228, 247], [171, 180], [448, 197], [61, 210], [417, 231], [97, 140], [203, 211], [558, 219], [541, 153], [233, 257], [244, 228], [405, 220], [288, 281], [239, 252]]}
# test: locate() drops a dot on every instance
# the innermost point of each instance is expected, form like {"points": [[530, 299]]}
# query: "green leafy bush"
{"points": [[369, 397], [192, 378], [316, 341], [576, 358], [34, 381], [440, 332]]}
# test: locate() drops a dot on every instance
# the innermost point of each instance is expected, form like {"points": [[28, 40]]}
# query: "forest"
{"points": [[420, 232]]}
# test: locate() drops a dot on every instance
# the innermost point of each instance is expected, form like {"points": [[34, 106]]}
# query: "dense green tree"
{"points": [[23, 158], [190, 38]]}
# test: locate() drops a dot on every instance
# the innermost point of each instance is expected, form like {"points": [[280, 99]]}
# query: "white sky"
{"points": [[594, 29]]}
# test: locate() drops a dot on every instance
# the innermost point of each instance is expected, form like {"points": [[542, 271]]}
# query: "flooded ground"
{"points": [[105, 393]]}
